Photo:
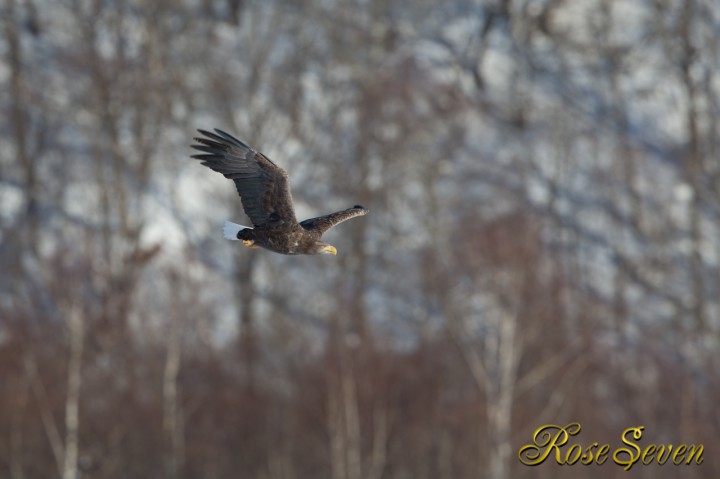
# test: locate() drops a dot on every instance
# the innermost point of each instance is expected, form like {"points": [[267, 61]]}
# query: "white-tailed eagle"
{"points": [[264, 190]]}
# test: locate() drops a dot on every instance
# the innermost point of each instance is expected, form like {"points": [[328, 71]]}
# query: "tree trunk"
{"points": [[76, 327], [172, 413]]}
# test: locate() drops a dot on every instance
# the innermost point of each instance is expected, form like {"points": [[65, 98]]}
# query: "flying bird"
{"points": [[264, 190]]}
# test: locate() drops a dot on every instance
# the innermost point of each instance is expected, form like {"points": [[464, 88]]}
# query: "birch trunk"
{"points": [[172, 420], [76, 327]]}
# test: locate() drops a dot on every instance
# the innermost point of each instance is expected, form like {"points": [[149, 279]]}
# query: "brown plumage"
{"points": [[264, 190]]}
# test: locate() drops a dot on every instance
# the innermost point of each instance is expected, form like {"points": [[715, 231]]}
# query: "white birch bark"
{"points": [[76, 329], [172, 413]]}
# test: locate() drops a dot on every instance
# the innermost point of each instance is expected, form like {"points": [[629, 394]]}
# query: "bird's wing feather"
{"points": [[263, 186], [323, 223]]}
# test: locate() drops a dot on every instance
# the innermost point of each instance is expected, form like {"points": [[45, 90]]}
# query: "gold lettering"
{"points": [[602, 454], [544, 442], [587, 458], [647, 455], [551, 438], [631, 458], [692, 449], [574, 449], [662, 449], [679, 455]]}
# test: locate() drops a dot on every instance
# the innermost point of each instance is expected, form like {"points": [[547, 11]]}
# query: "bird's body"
{"points": [[285, 238], [264, 189]]}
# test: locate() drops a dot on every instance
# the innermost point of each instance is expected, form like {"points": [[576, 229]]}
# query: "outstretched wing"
{"points": [[263, 186], [323, 223]]}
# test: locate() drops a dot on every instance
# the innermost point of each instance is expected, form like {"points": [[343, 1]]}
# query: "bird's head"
{"points": [[324, 248]]}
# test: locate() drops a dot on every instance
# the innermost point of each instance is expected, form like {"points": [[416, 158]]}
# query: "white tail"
{"points": [[230, 230]]}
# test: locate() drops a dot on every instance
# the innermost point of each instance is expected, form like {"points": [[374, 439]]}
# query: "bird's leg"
{"points": [[249, 243]]}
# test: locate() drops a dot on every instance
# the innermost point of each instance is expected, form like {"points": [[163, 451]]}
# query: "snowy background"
{"points": [[543, 244]]}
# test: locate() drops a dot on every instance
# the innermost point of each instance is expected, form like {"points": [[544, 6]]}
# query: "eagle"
{"points": [[264, 189]]}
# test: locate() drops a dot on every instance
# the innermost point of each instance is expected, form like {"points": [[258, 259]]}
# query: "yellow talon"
{"points": [[249, 243]]}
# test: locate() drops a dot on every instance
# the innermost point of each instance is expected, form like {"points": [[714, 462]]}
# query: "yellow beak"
{"points": [[330, 249]]}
